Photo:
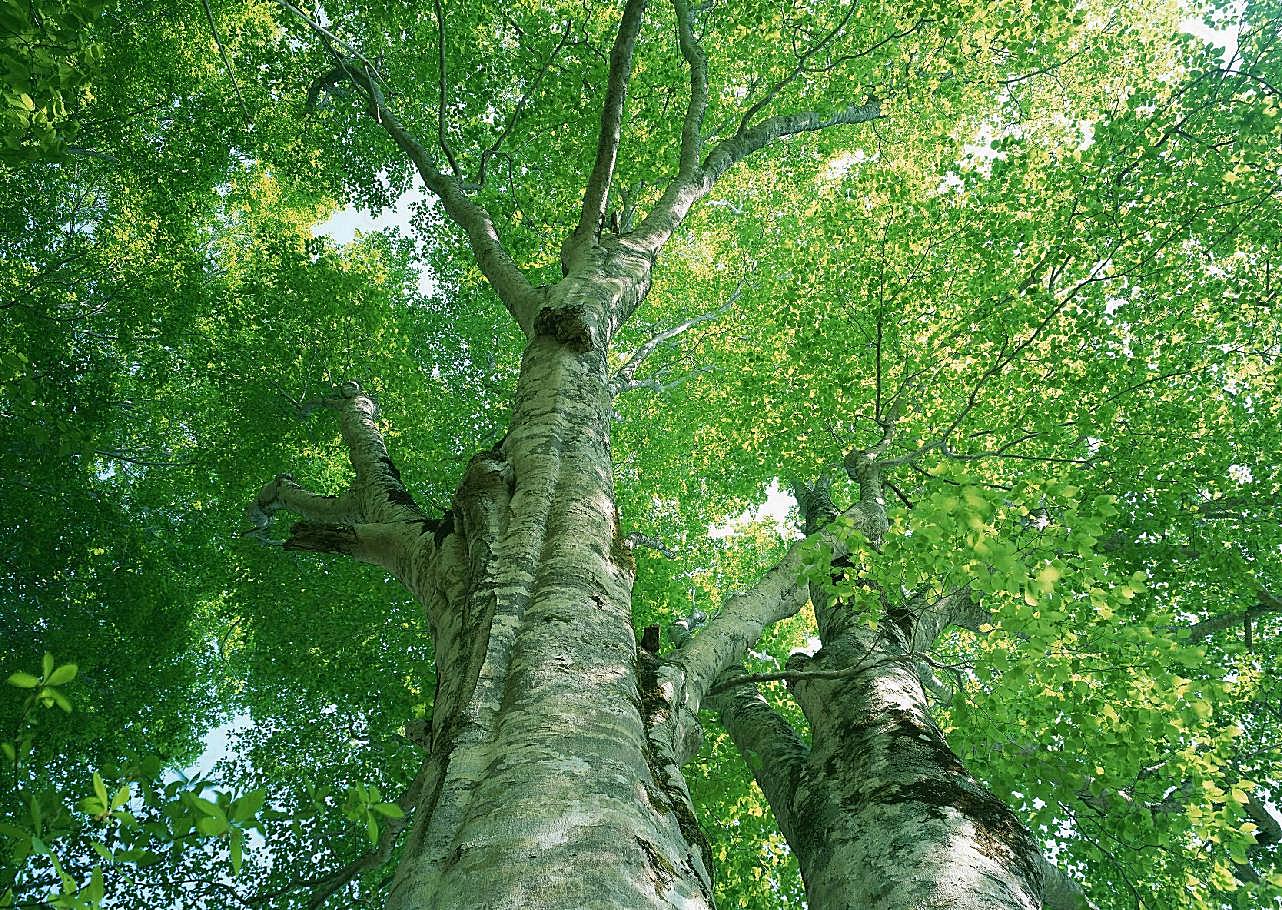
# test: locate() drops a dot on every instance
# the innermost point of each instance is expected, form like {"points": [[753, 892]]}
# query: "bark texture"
{"points": [[552, 777], [879, 811], [544, 784]]}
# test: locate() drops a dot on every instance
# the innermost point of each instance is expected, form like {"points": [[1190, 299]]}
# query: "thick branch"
{"points": [[1060, 891], [375, 520], [377, 493], [380, 544], [770, 747], [598, 189], [696, 108], [729, 634], [1266, 603], [814, 502], [493, 259]]}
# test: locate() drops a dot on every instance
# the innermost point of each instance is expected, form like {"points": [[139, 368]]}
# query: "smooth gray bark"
{"points": [[878, 810]]}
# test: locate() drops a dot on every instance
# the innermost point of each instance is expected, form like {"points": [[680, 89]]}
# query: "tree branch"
{"points": [[777, 595], [492, 149], [443, 85], [222, 52], [649, 542], [378, 491], [368, 520], [492, 257], [624, 375], [697, 60], [770, 747], [684, 191], [1266, 603], [322, 889], [597, 191]]}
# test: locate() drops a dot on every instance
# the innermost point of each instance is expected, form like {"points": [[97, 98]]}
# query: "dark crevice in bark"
{"points": [[567, 325], [315, 537], [663, 871], [655, 710]]}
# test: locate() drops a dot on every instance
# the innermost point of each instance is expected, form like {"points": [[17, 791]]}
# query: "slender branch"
{"points": [[660, 386], [222, 52], [650, 542], [726, 683], [382, 852], [625, 374], [492, 149], [116, 455], [597, 192], [802, 59], [443, 82]]}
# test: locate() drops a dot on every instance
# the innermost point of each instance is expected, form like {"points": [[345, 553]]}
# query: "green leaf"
{"points": [[211, 826], [121, 797], [390, 810], [96, 889], [209, 808], [247, 806], [23, 680], [64, 674], [56, 697], [236, 844]]}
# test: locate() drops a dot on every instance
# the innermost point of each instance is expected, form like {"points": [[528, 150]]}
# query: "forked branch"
{"points": [[368, 520], [625, 375], [688, 188]]}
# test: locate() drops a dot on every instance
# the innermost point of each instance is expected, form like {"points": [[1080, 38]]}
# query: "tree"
{"points": [[980, 568]]}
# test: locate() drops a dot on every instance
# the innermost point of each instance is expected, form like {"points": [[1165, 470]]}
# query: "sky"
{"points": [[343, 226]]}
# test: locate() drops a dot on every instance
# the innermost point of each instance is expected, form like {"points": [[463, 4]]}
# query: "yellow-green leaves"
{"points": [[44, 686]]}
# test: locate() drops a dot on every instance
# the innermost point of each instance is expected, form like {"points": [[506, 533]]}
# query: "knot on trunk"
{"points": [[567, 325]]}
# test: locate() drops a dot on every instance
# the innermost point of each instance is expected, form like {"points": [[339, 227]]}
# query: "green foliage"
{"points": [[1057, 248], [47, 58]]}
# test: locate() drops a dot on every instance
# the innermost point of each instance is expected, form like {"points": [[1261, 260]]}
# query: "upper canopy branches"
{"points": [[643, 63]]}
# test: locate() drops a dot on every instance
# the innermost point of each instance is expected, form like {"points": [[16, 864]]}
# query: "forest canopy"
{"points": [[950, 328]]}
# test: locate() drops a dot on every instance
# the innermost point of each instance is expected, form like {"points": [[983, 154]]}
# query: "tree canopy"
{"points": [[1030, 260]]}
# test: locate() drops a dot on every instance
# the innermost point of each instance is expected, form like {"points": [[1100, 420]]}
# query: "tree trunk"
{"points": [[542, 791], [878, 810], [544, 784]]}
